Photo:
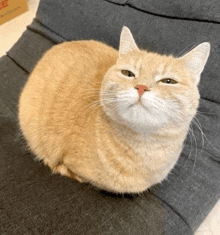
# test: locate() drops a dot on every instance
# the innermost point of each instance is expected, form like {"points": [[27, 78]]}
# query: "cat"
{"points": [[116, 119]]}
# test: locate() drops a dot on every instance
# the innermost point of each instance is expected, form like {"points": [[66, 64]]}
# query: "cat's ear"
{"points": [[127, 42], [196, 59]]}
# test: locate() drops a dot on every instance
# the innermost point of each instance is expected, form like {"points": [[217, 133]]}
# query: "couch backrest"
{"points": [[197, 9]]}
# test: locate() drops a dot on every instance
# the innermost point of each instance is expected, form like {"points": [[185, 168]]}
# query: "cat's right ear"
{"points": [[127, 43]]}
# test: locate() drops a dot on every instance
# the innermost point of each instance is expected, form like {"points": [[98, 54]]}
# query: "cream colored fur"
{"points": [[85, 119]]}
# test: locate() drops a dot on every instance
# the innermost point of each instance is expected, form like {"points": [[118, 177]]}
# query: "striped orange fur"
{"points": [[81, 111]]}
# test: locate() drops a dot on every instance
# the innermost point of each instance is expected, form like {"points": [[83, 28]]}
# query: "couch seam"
{"points": [[164, 16], [210, 100], [173, 209], [116, 3], [13, 60], [42, 34]]}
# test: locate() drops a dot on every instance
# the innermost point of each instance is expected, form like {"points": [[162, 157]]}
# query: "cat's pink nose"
{"points": [[141, 89]]}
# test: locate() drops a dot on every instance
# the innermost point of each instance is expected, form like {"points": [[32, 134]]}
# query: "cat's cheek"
{"points": [[127, 98]]}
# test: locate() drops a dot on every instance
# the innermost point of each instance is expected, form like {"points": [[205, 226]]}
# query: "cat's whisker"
{"points": [[89, 93], [195, 148], [191, 143], [97, 89], [87, 108], [204, 136], [200, 128], [97, 92], [185, 50], [192, 138], [112, 108], [82, 94], [87, 96], [166, 109], [197, 123]]}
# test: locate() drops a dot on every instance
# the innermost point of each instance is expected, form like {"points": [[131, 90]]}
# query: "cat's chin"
{"points": [[140, 118]]}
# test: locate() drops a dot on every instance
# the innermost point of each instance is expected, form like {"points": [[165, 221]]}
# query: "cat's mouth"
{"points": [[139, 107], [138, 103]]}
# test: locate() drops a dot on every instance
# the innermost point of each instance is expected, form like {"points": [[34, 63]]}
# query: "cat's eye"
{"points": [[127, 73], [168, 81]]}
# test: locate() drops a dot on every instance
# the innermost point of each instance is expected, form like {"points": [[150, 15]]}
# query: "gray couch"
{"points": [[33, 201]]}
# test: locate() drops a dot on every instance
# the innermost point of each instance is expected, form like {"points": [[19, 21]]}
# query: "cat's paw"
{"points": [[63, 170], [79, 179], [75, 176]]}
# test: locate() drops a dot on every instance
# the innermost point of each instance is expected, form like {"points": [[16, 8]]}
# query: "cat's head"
{"points": [[146, 90]]}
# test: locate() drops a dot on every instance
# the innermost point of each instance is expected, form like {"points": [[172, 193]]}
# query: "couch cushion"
{"points": [[34, 201]]}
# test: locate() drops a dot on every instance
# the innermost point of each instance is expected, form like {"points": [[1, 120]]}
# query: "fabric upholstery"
{"points": [[33, 201]]}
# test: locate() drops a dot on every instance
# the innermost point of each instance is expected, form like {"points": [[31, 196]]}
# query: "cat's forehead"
{"points": [[152, 63], [155, 61]]}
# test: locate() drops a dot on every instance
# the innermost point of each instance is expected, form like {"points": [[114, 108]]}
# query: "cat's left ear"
{"points": [[196, 59], [127, 42]]}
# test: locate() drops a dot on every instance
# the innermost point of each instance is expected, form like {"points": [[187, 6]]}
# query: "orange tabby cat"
{"points": [[116, 119]]}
